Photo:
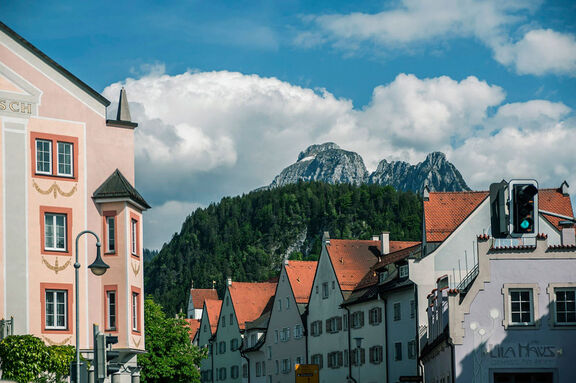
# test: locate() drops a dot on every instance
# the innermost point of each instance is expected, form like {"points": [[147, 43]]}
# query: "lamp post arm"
{"points": [[76, 274]]}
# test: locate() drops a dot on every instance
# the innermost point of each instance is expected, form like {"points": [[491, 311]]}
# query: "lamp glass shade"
{"points": [[98, 267]]}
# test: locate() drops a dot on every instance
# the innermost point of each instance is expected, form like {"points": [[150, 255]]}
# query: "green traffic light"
{"points": [[525, 224]]}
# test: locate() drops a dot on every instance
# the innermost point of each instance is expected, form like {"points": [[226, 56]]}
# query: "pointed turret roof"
{"points": [[123, 118], [117, 186], [123, 108]]}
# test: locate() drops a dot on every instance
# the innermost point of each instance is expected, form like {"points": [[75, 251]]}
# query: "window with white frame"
{"points": [[316, 328], [376, 354], [298, 331], [397, 311], [55, 230], [521, 311], [375, 316], [565, 306], [317, 359], [358, 356], [111, 305], [134, 236], [357, 319], [403, 271], [43, 156], [334, 359], [382, 276], [110, 234], [65, 157], [135, 313], [334, 324], [286, 366], [56, 309]]}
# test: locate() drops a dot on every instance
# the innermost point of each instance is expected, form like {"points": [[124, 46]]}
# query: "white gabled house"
{"points": [[207, 329], [344, 270], [274, 352], [243, 302]]}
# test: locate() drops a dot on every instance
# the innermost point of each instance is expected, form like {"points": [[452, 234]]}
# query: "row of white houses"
{"points": [[362, 311]]}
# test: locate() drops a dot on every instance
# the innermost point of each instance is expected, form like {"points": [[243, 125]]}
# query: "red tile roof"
{"points": [[212, 307], [352, 259], [200, 295], [445, 211], [301, 277], [250, 299], [554, 201], [194, 325]]}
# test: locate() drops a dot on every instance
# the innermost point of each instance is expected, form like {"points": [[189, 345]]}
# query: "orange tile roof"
{"points": [[200, 295], [250, 299], [352, 259], [445, 211], [301, 277], [194, 325], [553, 200], [212, 307]]}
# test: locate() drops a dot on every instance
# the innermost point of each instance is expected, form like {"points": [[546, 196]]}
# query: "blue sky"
{"points": [[228, 92]]}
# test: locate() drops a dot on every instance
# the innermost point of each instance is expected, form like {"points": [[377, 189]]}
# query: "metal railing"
{"points": [[465, 283], [6, 327]]}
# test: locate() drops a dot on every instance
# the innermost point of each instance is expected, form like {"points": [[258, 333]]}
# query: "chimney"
{"points": [[385, 242], [426, 192], [326, 238], [565, 188], [228, 281], [568, 236]]}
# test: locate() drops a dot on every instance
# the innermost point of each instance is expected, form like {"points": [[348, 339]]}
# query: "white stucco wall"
{"points": [[400, 331], [226, 333], [284, 315], [322, 309]]}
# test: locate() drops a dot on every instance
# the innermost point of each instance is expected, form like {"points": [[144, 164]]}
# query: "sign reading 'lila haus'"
{"points": [[523, 351]]}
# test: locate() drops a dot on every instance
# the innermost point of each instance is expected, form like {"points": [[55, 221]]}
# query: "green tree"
{"points": [[25, 358], [171, 357]]}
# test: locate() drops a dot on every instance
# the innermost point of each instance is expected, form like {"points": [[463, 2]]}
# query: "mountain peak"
{"points": [[313, 150], [329, 163]]}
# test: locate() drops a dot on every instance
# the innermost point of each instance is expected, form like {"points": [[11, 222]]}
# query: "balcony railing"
{"points": [[465, 283]]}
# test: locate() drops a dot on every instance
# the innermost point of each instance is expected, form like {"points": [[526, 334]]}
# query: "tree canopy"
{"points": [[170, 356], [247, 237]]}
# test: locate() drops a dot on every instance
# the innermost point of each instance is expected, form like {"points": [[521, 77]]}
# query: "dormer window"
{"points": [[382, 276], [403, 271]]}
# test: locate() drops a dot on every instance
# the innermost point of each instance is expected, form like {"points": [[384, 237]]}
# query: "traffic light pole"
{"points": [[557, 215]]}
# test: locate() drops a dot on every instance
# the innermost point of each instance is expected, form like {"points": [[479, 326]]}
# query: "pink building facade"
{"points": [[64, 168]]}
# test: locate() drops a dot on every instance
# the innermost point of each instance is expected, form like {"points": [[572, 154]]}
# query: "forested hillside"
{"points": [[246, 237]]}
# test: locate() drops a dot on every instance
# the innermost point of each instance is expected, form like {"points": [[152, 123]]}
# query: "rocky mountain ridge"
{"points": [[329, 163]]}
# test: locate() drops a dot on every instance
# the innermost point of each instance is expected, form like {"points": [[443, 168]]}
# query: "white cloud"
{"points": [[540, 52], [417, 22], [203, 136]]}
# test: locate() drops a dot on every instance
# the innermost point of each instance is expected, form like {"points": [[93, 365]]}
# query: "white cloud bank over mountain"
{"points": [[205, 135], [414, 23]]}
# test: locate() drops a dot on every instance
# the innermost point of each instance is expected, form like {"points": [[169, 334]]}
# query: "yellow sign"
{"points": [[307, 373]]}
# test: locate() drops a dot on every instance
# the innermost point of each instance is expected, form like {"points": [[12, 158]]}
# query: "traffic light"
{"points": [[498, 216], [103, 355], [523, 208]]}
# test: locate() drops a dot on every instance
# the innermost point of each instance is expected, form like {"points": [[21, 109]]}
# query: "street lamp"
{"points": [[98, 267], [358, 357]]}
